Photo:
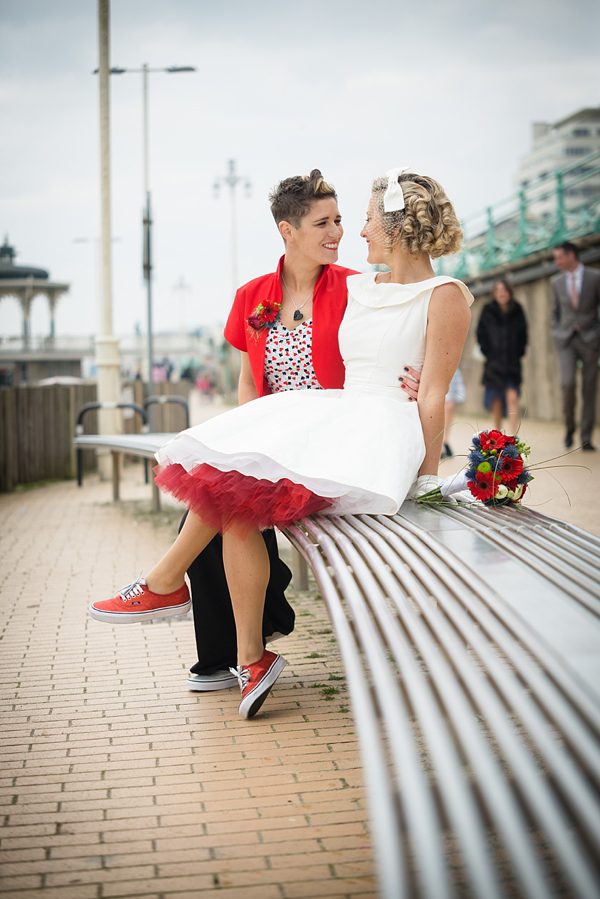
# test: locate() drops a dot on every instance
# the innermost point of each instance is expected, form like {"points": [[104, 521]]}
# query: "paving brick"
{"points": [[77, 849], [175, 838], [59, 866], [85, 891], [30, 854], [175, 884], [256, 864], [117, 781], [263, 892], [331, 888], [166, 857], [103, 876], [21, 882]]}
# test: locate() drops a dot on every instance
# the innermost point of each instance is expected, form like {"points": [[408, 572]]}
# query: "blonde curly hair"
{"points": [[427, 224]]}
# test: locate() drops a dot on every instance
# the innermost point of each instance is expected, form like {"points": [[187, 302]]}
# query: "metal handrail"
{"points": [[90, 407], [511, 229], [161, 400]]}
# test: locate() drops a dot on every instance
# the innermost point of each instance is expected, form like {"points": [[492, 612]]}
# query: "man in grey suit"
{"points": [[576, 332]]}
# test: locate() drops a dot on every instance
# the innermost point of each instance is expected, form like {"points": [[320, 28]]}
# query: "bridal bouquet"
{"points": [[495, 473]]}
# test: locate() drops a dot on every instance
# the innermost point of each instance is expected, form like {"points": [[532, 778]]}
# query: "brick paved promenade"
{"points": [[116, 781]]}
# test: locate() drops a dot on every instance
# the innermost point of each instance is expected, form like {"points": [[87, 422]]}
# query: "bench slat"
{"points": [[479, 693]]}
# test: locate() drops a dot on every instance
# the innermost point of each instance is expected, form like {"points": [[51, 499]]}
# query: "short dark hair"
{"points": [[568, 247], [293, 197]]}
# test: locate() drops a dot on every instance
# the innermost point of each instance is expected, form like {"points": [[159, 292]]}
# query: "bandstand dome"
{"points": [[25, 283]]}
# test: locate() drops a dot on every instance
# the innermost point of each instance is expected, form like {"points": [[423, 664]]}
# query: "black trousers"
{"points": [[214, 623]]}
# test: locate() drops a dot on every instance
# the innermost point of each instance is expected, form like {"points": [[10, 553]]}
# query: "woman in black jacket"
{"points": [[502, 336]]}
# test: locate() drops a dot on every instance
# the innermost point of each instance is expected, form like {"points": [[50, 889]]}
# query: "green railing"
{"points": [[563, 205]]}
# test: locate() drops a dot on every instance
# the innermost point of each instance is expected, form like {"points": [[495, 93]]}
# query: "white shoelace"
{"points": [[242, 674], [131, 590]]}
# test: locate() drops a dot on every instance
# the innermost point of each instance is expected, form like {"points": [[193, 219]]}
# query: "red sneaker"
{"points": [[256, 681], [136, 602]]}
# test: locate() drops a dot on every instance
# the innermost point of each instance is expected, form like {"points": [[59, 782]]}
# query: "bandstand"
{"points": [[25, 284]]}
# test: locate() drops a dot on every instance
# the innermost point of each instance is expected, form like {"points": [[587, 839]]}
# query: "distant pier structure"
{"points": [[25, 283]]}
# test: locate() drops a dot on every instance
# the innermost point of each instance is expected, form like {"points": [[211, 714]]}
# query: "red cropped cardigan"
{"points": [[329, 304]]}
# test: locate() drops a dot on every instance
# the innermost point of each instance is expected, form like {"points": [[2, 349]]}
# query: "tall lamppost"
{"points": [[108, 363], [144, 70], [96, 241], [232, 179]]}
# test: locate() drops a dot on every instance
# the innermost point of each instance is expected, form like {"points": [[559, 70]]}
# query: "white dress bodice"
{"points": [[377, 347]]}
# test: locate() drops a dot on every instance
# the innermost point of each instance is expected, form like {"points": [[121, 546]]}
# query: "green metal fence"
{"points": [[562, 205]]}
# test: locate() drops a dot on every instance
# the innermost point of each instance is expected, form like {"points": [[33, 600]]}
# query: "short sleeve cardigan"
{"points": [[329, 304]]}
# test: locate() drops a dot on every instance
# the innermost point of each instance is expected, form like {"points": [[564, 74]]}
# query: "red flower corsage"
{"points": [[265, 315]]}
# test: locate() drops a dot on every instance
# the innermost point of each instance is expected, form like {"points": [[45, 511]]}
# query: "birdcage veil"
{"points": [[413, 208], [387, 207]]}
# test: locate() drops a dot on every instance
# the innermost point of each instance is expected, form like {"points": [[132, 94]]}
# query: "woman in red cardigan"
{"points": [[308, 270], [298, 351]]}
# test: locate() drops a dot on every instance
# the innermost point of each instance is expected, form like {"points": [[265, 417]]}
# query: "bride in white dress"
{"points": [[359, 449]]}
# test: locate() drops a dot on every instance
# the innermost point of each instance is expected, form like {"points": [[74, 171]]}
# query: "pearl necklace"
{"points": [[297, 314]]}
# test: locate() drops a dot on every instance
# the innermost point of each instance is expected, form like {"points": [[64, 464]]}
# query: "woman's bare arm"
{"points": [[246, 387], [447, 327]]}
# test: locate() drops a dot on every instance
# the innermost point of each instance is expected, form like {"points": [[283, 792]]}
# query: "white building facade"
{"points": [[567, 143]]}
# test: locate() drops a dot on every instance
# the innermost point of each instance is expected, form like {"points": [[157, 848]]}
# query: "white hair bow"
{"points": [[393, 198]]}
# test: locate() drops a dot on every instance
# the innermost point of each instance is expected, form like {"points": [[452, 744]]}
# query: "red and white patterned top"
{"points": [[288, 358]]}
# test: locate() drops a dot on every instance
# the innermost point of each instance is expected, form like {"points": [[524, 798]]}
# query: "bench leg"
{"points": [[155, 498], [116, 474], [299, 571]]}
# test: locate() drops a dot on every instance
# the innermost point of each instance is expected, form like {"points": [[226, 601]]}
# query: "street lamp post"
{"points": [[106, 344], [96, 241], [232, 179], [146, 215]]}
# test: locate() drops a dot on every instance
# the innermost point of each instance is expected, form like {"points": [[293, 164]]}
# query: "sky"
{"points": [[353, 88]]}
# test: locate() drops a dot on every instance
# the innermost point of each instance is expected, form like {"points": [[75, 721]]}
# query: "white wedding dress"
{"points": [[360, 447]]}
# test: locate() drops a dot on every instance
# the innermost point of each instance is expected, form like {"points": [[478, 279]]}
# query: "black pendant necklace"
{"points": [[297, 314]]}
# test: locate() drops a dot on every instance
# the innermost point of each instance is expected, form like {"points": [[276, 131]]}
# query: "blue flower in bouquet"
{"points": [[475, 458]]}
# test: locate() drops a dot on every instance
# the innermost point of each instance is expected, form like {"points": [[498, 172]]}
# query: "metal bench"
{"points": [[144, 444], [470, 641]]}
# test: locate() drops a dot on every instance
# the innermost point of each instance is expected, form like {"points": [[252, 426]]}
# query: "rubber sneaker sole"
{"points": [[134, 617], [218, 680], [252, 702]]}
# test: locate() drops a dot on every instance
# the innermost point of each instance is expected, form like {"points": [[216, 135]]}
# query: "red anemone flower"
{"points": [[270, 312], [484, 486], [511, 469], [492, 440]]}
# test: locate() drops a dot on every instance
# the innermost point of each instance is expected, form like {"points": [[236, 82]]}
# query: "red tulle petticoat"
{"points": [[223, 499]]}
